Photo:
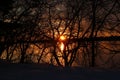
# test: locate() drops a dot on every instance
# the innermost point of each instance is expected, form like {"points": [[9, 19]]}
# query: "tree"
{"points": [[5, 6], [34, 30]]}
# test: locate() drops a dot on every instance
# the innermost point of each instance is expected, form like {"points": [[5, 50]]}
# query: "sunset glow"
{"points": [[62, 46], [62, 38]]}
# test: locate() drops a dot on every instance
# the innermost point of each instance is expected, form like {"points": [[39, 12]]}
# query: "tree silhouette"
{"points": [[5, 6], [32, 29]]}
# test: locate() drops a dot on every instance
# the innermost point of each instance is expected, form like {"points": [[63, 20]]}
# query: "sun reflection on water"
{"points": [[62, 46]]}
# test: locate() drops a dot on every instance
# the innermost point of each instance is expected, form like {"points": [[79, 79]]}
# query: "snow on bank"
{"points": [[49, 72]]}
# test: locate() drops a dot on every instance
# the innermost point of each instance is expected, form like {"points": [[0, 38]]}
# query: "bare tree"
{"points": [[86, 27]]}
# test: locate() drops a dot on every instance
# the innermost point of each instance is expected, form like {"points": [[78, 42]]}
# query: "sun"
{"points": [[62, 38]]}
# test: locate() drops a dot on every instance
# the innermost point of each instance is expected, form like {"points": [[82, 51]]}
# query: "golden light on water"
{"points": [[62, 46]]}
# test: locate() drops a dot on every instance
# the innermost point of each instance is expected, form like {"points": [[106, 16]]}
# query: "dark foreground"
{"points": [[49, 72]]}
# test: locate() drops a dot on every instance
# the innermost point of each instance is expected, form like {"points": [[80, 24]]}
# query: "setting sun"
{"points": [[62, 38]]}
